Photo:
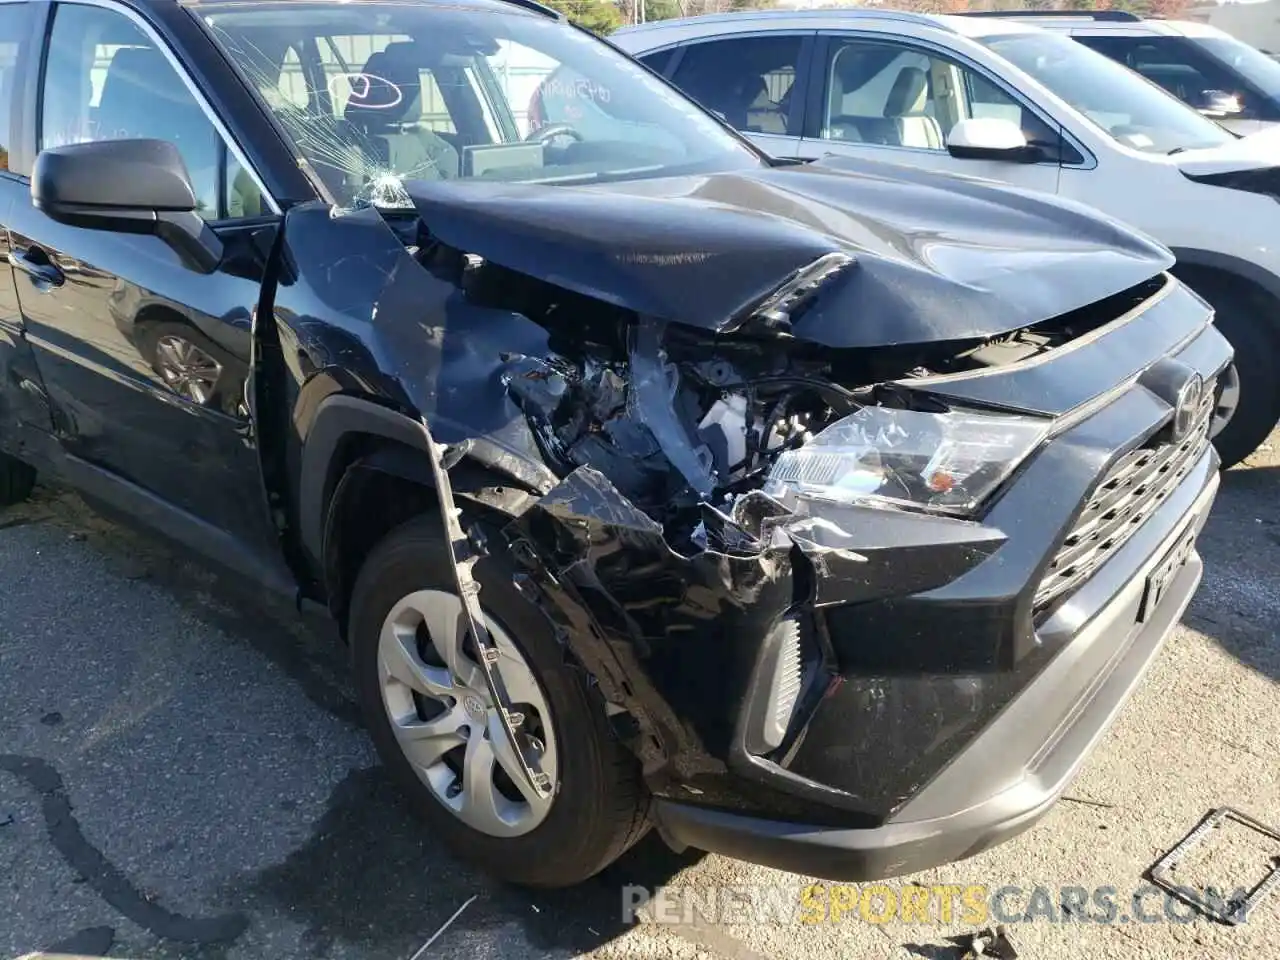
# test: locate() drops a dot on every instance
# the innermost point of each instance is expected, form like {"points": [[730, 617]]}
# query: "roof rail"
{"points": [[1117, 16], [774, 13]]}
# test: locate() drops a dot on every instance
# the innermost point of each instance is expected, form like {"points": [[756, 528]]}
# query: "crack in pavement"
{"points": [[103, 876]]}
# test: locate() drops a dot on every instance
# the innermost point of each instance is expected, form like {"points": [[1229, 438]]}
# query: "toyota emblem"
{"points": [[1186, 409]]}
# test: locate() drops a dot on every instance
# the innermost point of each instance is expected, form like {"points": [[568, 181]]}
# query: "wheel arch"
{"points": [[1210, 267], [365, 469]]}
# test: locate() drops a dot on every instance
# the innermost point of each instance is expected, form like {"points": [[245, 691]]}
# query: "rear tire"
{"points": [[1257, 348], [17, 480], [600, 807]]}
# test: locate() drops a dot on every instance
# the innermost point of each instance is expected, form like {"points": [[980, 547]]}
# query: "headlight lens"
{"points": [[948, 462]]}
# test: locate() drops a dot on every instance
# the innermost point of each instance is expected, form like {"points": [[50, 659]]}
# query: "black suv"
{"points": [[822, 515]]}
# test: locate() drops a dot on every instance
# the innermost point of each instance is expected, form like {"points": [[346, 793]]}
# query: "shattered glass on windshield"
{"points": [[376, 96]]}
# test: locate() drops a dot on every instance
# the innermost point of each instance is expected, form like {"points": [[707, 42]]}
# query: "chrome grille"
{"points": [[1128, 495]]}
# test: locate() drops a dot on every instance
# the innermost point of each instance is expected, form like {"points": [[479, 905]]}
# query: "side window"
{"points": [[747, 80], [984, 99], [657, 62], [1177, 66], [105, 80], [15, 23], [891, 95], [884, 94]]}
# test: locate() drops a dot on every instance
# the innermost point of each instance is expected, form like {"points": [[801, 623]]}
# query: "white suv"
{"points": [[1006, 101], [1204, 67]]}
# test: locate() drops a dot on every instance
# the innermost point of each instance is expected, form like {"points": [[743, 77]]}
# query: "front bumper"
{"points": [[1044, 734], [877, 691]]}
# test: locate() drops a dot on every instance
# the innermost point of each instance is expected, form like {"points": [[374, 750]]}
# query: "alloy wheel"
{"points": [[1228, 401], [446, 722], [187, 370]]}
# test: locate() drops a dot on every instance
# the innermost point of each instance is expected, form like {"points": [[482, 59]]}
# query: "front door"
{"points": [[886, 99], [145, 358], [23, 409]]}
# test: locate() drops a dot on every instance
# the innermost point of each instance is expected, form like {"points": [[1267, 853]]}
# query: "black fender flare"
{"points": [[341, 415], [1232, 266]]}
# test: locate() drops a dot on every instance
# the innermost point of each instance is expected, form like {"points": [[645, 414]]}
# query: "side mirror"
{"points": [[1218, 103], [990, 138], [126, 186]]}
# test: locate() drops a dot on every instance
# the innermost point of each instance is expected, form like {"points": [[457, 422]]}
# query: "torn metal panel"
{"points": [[363, 315], [462, 558], [860, 552], [670, 639], [651, 401]]}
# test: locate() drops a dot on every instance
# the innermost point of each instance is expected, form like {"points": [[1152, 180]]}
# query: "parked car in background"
{"points": [[1006, 101], [819, 515], [1204, 67]]}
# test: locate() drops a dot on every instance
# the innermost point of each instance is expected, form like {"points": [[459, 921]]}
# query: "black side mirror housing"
{"points": [[126, 186], [1030, 153]]}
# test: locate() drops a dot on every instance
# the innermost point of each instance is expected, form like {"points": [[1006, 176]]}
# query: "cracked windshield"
{"points": [[376, 94]]}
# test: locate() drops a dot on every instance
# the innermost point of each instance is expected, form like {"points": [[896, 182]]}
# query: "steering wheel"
{"points": [[551, 131]]}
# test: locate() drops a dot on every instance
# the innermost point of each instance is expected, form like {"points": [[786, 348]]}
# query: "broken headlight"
{"points": [[947, 462]]}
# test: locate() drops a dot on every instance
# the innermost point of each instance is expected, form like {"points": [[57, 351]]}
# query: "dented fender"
{"points": [[373, 344]]}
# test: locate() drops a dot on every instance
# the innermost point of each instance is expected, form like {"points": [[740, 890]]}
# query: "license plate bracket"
{"points": [[1164, 873], [1165, 571]]}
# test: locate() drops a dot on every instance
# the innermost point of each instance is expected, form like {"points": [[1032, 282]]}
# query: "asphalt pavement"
{"points": [[183, 774]]}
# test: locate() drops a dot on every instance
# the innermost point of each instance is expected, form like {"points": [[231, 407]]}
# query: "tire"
{"points": [[600, 807], [17, 480], [1257, 347]]}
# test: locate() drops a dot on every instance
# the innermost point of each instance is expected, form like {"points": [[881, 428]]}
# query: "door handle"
{"points": [[35, 263]]}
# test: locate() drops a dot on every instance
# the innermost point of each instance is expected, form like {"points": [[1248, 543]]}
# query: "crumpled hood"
{"points": [[1253, 152], [935, 257]]}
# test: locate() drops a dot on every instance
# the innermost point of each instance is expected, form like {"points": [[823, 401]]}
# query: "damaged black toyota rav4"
{"points": [[818, 515]]}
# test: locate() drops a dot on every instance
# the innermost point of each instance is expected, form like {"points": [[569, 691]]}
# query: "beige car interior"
{"points": [[924, 97]]}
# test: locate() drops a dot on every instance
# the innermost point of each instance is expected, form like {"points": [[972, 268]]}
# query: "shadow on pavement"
{"points": [[373, 878], [1238, 603]]}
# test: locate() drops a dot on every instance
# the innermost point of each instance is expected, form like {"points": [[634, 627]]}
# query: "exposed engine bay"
{"points": [[669, 426], [677, 418]]}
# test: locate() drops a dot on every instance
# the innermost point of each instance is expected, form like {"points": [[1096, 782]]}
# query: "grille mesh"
{"points": [[1127, 496]]}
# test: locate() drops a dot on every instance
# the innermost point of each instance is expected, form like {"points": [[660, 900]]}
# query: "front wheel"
{"points": [[434, 724], [1249, 396]]}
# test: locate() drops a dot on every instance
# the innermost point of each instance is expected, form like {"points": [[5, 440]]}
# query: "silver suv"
{"points": [[1223, 78]]}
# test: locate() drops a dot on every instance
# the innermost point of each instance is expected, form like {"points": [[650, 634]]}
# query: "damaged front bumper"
{"points": [[864, 692], [1011, 774]]}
